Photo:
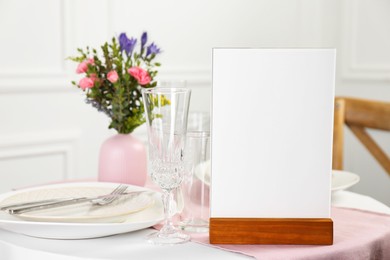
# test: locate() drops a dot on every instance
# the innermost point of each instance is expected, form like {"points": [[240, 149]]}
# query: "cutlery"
{"points": [[97, 200], [38, 202], [108, 199], [118, 189]]}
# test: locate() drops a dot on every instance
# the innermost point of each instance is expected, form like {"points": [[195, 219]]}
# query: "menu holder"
{"points": [[288, 231], [272, 122]]}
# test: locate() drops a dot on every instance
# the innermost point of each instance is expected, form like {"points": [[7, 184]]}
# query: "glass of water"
{"points": [[195, 188], [166, 112]]}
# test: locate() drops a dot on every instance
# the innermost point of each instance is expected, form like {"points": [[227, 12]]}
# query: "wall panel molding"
{"points": [[20, 146], [39, 79], [352, 68]]}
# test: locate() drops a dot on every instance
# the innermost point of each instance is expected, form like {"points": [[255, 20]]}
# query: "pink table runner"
{"points": [[357, 235]]}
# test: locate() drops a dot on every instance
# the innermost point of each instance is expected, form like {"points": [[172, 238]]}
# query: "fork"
{"points": [[111, 197], [51, 201], [99, 200]]}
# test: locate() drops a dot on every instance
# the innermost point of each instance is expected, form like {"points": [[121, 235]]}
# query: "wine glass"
{"points": [[166, 112]]}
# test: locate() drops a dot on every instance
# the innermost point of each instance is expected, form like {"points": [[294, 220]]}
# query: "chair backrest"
{"points": [[359, 114]]}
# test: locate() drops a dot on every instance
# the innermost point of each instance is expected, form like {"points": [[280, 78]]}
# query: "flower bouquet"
{"points": [[113, 81]]}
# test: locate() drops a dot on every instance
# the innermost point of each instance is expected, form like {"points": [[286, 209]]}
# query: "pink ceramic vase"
{"points": [[122, 159]]}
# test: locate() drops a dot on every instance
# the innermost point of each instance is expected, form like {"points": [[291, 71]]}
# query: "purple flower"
{"points": [[123, 41], [131, 45], [144, 39], [126, 43], [152, 49]]}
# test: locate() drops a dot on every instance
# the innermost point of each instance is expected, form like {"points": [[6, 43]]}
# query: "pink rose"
{"points": [[86, 83], [141, 75], [112, 76], [83, 66]]}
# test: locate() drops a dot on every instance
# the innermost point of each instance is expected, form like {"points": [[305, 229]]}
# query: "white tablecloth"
{"points": [[133, 246]]}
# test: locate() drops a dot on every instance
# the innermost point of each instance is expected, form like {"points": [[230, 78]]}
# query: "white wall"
{"points": [[47, 132]]}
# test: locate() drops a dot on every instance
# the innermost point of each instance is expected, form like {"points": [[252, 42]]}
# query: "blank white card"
{"points": [[272, 124]]}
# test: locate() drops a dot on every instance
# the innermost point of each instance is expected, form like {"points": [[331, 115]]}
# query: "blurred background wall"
{"points": [[48, 133]]}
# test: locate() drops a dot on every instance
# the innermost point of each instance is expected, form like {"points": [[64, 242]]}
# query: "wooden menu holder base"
{"points": [[286, 231]]}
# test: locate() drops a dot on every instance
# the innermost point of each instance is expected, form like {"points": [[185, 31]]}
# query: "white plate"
{"points": [[342, 180], [59, 230]]}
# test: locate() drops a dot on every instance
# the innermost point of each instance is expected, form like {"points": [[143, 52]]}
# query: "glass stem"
{"points": [[168, 224]]}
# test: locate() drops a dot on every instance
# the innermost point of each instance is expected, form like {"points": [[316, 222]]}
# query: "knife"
{"points": [[19, 208]]}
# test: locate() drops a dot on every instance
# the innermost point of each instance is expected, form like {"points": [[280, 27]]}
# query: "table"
{"points": [[133, 246]]}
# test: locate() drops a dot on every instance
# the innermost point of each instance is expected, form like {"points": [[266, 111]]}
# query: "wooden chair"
{"points": [[359, 114]]}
